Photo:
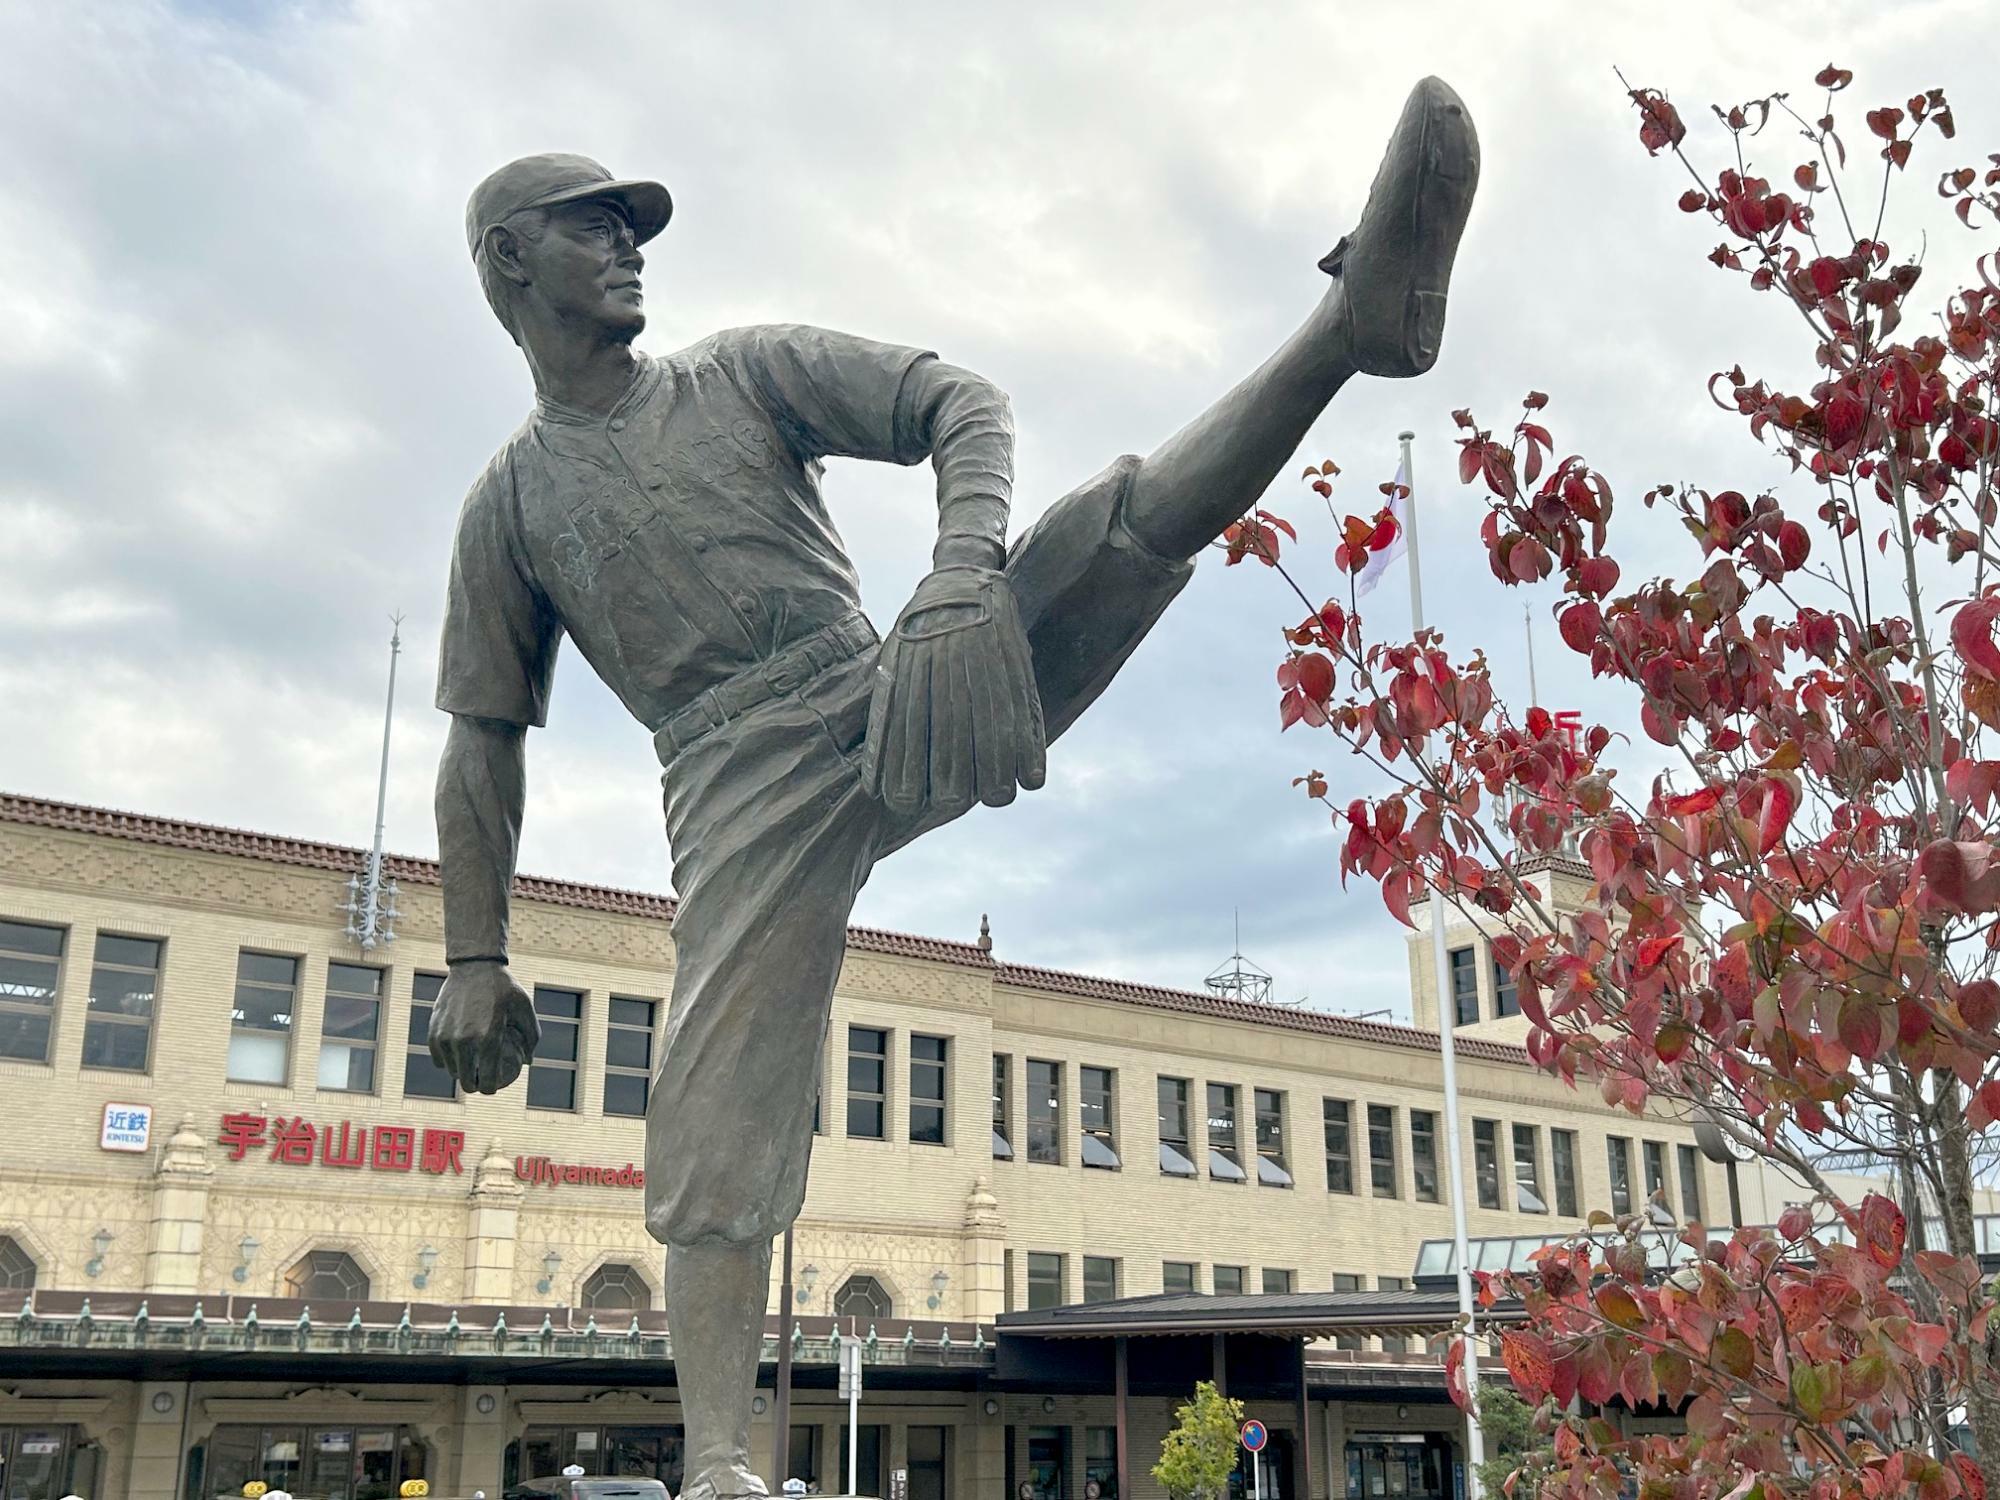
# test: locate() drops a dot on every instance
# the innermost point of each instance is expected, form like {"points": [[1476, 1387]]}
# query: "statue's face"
{"points": [[585, 270]]}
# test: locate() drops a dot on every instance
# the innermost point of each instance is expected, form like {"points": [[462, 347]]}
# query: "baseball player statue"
{"points": [[664, 512]]}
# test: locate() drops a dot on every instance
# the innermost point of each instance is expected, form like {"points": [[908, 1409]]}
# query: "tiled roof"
{"points": [[207, 838], [1195, 1002]]}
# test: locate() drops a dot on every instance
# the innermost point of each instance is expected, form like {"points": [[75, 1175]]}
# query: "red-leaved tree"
{"points": [[1792, 931]]}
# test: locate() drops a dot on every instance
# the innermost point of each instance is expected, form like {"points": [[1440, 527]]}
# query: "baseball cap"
{"points": [[557, 177]]}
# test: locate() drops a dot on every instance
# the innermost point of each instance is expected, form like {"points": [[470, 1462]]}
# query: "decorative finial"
{"points": [[985, 934]]}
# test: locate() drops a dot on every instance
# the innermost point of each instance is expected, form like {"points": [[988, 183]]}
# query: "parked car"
{"points": [[586, 1487]]}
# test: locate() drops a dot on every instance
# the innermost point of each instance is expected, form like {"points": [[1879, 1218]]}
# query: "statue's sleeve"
{"points": [[497, 651], [836, 395]]}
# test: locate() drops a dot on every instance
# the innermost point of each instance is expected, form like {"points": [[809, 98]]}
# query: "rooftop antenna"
{"points": [[1528, 626], [1239, 979], [371, 902]]}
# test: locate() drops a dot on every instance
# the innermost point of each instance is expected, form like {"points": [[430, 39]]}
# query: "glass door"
{"points": [[34, 1462]]}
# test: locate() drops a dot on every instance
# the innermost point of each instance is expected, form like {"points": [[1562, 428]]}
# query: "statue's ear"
{"points": [[502, 248]]}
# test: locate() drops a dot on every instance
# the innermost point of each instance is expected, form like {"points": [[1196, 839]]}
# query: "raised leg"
{"points": [[1383, 315]]}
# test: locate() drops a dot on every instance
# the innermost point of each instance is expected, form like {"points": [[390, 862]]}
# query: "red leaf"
{"points": [[1597, 576], [1579, 626], [1526, 1356], [1979, 1004], [1314, 674], [1880, 1231], [1794, 545], [1780, 799], [1972, 636], [1884, 121], [1694, 802]]}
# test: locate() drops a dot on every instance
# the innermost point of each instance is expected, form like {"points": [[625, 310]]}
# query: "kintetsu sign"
{"points": [[299, 1142]]}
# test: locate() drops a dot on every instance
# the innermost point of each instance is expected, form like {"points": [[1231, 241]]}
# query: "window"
{"points": [[801, 1458], [1100, 1460], [1344, 1281], [1177, 1276], [1528, 1172], [327, 1276], [1045, 1280], [1176, 1151], [1048, 1462], [1003, 1125], [862, 1297], [614, 1287], [1225, 1160], [1226, 1281], [260, 1023], [333, 1462], [17, 1267], [1337, 1115], [867, 1083], [871, 1447], [1506, 996], [349, 1028], [1562, 1163], [1044, 1111], [1690, 1170], [1618, 1154], [930, 1462], [628, 1055], [552, 1070], [422, 1077], [1464, 987], [927, 1080], [1656, 1172], [1394, 1343], [124, 980], [30, 967], [1271, 1170], [1277, 1281], [1486, 1161], [1424, 1154], [1097, 1090], [1382, 1150], [1100, 1278]]}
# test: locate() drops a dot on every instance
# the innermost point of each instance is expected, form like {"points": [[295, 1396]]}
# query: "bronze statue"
{"points": [[665, 514]]}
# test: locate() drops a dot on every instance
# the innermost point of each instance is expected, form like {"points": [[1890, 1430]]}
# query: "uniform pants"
{"points": [[773, 837]]}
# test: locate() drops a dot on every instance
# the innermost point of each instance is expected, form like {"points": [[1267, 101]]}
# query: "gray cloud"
{"points": [[245, 374]]}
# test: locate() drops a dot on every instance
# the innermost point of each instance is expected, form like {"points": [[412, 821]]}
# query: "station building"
{"points": [[249, 1231]]}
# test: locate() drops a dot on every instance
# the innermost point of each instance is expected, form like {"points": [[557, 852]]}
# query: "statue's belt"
{"points": [[785, 672]]}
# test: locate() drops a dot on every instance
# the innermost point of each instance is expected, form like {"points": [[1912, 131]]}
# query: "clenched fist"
{"points": [[483, 1030]]}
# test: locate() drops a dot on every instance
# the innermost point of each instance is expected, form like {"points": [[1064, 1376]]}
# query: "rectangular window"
{"points": [[1506, 996], [1097, 1090], [1528, 1172], [1045, 1280], [1225, 1156], [1486, 1161], [124, 982], [1048, 1463], [1176, 1150], [1382, 1150], [1177, 1276], [871, 1446], [1424, 1155], [1227, 1281], [260, 1021], [1464, 986], [1003, 1116], [30, 976], [1100, 1278], [928, 1055], [552, 1070], [1338, 1117], [1044, 1111], [1271, 1168], [1344, 1281], [867, 1083], [1277, 1281], [1100, 1461], [422, 1077], [628, 1055], [350, 1028], [1618, 1156], [1656, 1173], [1562, 1162], [1690, 1170], [1394, 1343]]}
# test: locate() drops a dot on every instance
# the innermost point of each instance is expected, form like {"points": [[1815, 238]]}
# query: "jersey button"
{"points": [[617, 424], [699, 542]]}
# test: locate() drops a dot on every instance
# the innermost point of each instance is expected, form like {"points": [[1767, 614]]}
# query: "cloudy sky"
{"points": [[246, 374]]}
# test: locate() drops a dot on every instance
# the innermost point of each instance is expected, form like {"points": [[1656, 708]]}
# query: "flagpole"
{"points": [[1475, 1442]]}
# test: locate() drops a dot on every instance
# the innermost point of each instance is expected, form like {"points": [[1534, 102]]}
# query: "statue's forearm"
{"points": [[481, 789], [968, 425]]}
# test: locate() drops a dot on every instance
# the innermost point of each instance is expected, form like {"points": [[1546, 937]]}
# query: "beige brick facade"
{"points": [[899, 1211]]}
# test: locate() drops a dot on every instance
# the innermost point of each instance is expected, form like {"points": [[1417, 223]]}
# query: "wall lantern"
{"points": [[427, 1260], [551, 1263]]}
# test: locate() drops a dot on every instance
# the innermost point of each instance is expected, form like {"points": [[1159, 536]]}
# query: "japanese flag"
{"points": [[1378, 562]]}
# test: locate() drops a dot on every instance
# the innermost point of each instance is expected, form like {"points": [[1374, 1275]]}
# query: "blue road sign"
{"points": [[1254, 1436]]}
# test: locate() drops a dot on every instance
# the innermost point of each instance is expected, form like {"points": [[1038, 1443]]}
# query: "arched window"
{"points": [[17, 1267], [615, 1287], [862, 1297], [327, 1276]]}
